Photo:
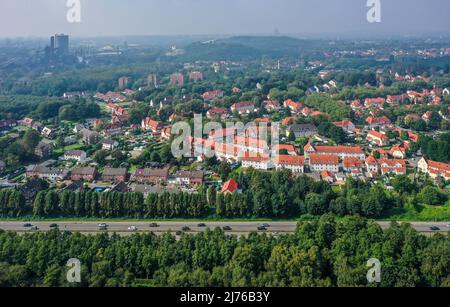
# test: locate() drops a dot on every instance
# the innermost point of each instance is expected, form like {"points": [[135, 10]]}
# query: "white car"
{"points": [[448, 225], [132, 228]]}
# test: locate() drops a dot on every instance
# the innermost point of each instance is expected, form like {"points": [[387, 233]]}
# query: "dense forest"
{"points": [[326, 252]]}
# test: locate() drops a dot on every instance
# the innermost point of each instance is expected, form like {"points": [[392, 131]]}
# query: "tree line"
{"points": [[326, 252], [276, 194]]}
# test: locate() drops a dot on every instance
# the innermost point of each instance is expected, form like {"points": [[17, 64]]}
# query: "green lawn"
{"points": [[424, 213]]}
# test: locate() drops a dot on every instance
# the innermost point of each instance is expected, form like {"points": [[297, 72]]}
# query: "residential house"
{"points": [[257, 162], [211, 95], [151, 175], [242, 108], [346, 125], [43, 150], [76, 155], [353, 166], [115, 174], [341, 151], [295, 107], [434, 169], [229, 187], [221, 113], [46, 173], [302, 130], [151, 125], [381, 122], [84, 174], [377, 138], [294, 163], [109, 144], [271, 105], [190, 178], [324, 162], [90, 137]]}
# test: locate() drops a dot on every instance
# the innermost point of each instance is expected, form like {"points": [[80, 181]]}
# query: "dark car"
{"points": [[27, 225], [227, 228], [179, 233], [201, 225], [186, 228], [434, 228], [34, 228], [154, 225], [262, 228], [53, 225], [265, 225]]}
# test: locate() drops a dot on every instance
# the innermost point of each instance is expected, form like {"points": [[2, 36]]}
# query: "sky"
{"points": [[42, 18]]}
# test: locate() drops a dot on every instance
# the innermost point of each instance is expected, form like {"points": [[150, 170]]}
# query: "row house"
{"points": [[341, 151], [296, 164], [324, 162], [377, 138], [84, 174], [190, 178], [46, 173], [112, 129], [385, 166], [399, 151], [289, 149], [434, 169], [245, 107], [255, 145], [353, 166], [302, 130], [149, 175], [257, 162], [115, 174]]}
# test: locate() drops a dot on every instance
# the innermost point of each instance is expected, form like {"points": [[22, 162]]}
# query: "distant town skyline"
{"points": [[42, 18]]}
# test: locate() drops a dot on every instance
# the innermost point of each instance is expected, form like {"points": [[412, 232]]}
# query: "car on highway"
{"points": [[201, 225], [34, 228], [262, 228], [102, 226], [434, 228], [132, 228], [186, 228], [265, 225], [154, 225], [448, 226], [53, 225], [27, 225], [227, 228]]}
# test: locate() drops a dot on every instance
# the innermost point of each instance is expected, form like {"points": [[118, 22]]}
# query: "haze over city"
{"points": [[23, 18]]}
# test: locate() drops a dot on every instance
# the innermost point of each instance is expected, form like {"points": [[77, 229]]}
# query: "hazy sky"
{"points": [[170, 17]]}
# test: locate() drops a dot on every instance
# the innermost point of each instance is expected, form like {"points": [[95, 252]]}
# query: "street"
{"points": [[236, 227]]}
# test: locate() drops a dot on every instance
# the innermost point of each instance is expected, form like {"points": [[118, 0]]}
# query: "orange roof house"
{"points": [[229, 187]]}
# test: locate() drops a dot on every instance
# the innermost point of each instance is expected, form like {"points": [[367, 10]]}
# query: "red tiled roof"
{"points": [[324, 159]]}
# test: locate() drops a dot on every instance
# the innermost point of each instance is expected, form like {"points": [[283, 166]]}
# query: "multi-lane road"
{"points": [[162, 227]]}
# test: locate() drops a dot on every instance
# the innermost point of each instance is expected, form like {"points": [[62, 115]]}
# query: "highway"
{"points": [[236, 227]]}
